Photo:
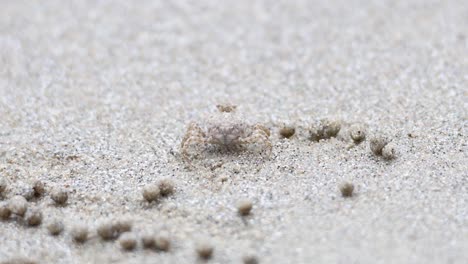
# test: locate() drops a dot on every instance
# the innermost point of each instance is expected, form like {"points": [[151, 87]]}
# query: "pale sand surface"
{"points": [[96, 96]]}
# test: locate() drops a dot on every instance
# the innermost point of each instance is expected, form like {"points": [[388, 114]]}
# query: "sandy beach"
{"points": [[96, 97]]}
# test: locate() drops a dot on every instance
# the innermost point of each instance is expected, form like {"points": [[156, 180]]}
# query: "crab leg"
{"points": [[194, 135], [191, 140], [259, 135], [192, 130]]}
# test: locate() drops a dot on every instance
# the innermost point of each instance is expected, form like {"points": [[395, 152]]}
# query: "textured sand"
{"points": [[95, 96]]}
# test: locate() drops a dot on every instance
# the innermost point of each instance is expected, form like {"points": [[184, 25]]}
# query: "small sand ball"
{"points": [[27, 192], [287, 131], [325, 129], [162, 243], [331, 128], [3, 185], [122, 225], [55, 227], [107, 231], [376, 144], [33, 217], [250, 259], [5, 211], [59, 195], [148, 240], [18, 205], [79, 233], [111, 230], [166, 186], [151, 192], [347, 189], [205, 250], [39, 188], [128, 241], [357, 133], [244, 207], [389, 151]]}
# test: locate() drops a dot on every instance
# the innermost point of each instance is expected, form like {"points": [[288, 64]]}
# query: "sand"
{"points": [[95, 97]]}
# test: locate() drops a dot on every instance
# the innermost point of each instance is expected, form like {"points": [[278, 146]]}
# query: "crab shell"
{"points": [[229, 134]]}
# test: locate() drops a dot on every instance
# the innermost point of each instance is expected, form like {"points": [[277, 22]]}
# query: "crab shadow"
{"points": [[213, 157]]}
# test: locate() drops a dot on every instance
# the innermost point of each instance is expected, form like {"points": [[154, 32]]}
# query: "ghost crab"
{"points": [[226, 131]]}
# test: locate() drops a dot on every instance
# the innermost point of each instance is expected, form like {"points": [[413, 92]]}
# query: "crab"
{"points": [[226, 132]]}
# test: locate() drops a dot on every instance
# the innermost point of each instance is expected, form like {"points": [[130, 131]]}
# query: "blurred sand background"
{"points": [[95, 96]]}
